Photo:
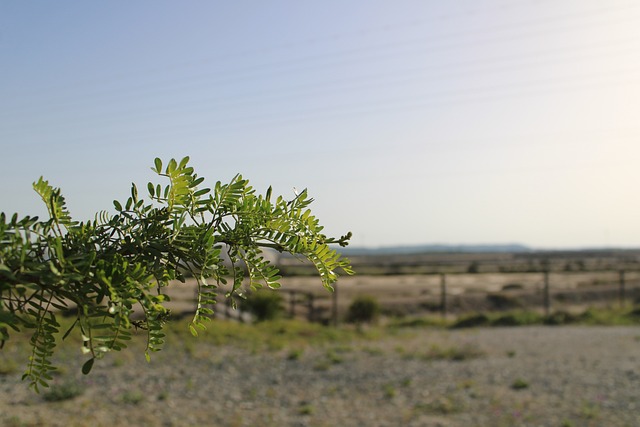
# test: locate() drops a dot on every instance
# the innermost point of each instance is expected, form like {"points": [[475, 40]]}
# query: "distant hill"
{"points": [[436, 248]]}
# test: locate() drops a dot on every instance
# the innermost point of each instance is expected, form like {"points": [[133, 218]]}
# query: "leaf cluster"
{"points": [[111, 271]]}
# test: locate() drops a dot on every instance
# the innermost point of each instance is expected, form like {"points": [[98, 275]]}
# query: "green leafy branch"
{"points": [[111, 272]]}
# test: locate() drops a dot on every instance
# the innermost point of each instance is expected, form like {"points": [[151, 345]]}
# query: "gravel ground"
{"points": [[528, 376]]}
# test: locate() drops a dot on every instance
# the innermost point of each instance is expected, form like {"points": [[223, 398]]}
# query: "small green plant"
{"points": [[363, 309], [334, 357], [64, 391], [389, 391], [294, 354], [589, 411], [560, 318], [518, 318], [456, 354], [306, 408], [264, 304], [472, 320], [519, 384], [132, 397], [418, 322]]}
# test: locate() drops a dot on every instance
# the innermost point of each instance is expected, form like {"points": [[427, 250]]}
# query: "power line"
{"points": [[266, 120]]}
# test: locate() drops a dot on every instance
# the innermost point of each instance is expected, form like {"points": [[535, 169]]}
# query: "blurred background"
{"points": [[410, 122]]}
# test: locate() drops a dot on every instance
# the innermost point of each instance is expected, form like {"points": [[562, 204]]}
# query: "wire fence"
{"points": [[447, 294]]}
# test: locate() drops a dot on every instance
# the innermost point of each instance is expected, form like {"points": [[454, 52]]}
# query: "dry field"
{"points": [[420, 294]]}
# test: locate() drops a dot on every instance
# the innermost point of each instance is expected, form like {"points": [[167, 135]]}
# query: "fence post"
{"points": [[443, 294], [547, 301], [621, 290]]}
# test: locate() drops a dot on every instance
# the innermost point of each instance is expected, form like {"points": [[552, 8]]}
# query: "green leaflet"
{"points": [[118, 265]]}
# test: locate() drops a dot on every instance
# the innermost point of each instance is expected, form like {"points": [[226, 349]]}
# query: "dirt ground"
{"points": [[528, 376]]}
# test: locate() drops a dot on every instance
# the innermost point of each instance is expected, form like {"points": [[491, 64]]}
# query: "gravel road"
{"points": [[526, 376]]}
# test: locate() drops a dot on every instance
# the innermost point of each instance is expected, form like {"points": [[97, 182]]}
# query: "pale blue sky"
{"points": [[408, 121]]}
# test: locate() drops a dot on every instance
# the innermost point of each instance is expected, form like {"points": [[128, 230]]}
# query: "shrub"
{"points": [[560, 318], [456, 354], [472, 320], [363, 309], [518, 318], [473, 268], [64, 391], [520, 384], [264, 304], [503, 302]]}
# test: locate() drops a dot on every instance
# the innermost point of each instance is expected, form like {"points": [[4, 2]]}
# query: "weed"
{"points": [[132, 397], [306, 408], [590, 316], [472, 320], [457, 354], [511, 354], [389, 391], [264, 304], [518, 318], [560, 318], [65, 391], [334, 358], [519, 384], [418, 322], [294, 354], [589, 411], [363, 309]]}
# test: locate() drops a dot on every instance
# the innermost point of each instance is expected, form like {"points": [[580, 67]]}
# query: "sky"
{"points": [[409, 122]]}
